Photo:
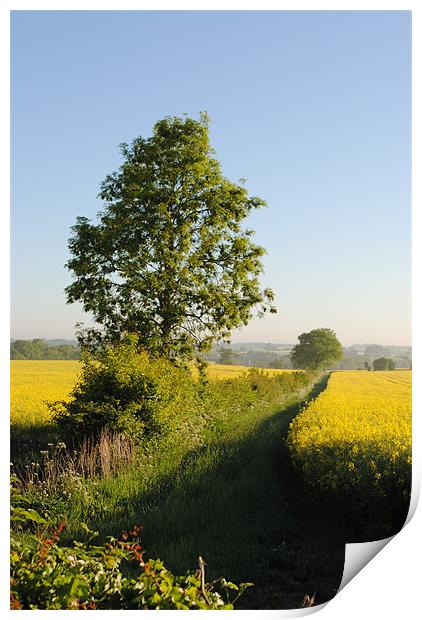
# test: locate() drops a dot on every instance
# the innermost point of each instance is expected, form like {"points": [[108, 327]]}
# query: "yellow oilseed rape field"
{"points": [[356, 436], [35, 381]]}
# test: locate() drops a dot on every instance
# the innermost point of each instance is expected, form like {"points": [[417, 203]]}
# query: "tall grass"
{"points": [[57, 467]]}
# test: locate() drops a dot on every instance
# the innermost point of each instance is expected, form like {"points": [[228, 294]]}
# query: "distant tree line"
{"points": [[274, 355], [39, 349], [354, 361], [258, 357], [253, 358]]}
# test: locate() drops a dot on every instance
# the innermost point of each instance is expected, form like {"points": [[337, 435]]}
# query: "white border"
{"points": [[389, 585]]}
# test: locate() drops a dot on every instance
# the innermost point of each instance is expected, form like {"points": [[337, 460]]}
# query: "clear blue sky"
{"points": [[312, 108]]}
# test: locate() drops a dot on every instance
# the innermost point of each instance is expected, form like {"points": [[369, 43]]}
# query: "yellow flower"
{"points": [[357, 428]]}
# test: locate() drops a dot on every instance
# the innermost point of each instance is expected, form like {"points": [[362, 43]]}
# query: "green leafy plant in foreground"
{"points": [[45, 575]]}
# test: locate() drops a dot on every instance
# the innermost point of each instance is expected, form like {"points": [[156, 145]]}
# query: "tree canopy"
{"points": [[316, 349], [168, 258], [384, 363], [227, 356]]}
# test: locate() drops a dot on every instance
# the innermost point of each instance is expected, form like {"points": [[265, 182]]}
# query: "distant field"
{"points": [[220, 371], [34, 381], [390, 384]]}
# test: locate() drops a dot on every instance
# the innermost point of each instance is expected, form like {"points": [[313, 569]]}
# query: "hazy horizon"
{"points": [[237, 341], [312, 108]]}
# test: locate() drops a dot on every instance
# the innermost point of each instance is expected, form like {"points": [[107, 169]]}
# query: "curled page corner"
{"points": [[359, 555]]}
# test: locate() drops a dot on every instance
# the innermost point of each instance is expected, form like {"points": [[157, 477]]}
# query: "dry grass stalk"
{"points": [[100, 458]]}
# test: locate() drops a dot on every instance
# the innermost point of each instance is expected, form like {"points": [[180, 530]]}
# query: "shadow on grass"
{"points": [[239, 505], [26, 442]]}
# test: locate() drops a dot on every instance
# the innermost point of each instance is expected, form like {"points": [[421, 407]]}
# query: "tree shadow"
{"points": [[240, 505], [27, 441]]}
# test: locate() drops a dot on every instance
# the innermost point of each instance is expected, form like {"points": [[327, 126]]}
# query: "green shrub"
{"points": [[45, 575], [127, 391]]}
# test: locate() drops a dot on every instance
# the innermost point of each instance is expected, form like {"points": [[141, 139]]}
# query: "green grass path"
{"points": [[238, 504]]}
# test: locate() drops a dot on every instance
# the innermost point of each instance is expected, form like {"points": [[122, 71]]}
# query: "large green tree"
{"points": [[168, 258], [316, 349]]}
